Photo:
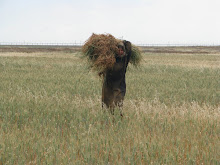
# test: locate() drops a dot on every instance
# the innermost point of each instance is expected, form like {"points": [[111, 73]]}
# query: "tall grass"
{"points": [[50, 113]]}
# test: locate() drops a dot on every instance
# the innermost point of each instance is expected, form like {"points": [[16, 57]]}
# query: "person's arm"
{"points": [[128, 50]]}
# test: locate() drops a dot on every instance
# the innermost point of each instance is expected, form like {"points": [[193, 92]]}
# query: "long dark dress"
{"points": [[114, 86]]}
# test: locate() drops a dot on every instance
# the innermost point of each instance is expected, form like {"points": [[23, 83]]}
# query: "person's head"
{"points": [[124, 47], [121, 49]]}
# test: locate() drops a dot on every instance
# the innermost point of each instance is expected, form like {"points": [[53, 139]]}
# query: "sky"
{"points": [[139, 21]]}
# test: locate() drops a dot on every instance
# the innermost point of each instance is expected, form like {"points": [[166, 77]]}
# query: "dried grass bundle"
{"points": [[102, 49], [136, 55]]}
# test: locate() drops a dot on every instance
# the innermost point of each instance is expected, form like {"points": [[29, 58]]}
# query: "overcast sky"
{"points": [[139, 21]]}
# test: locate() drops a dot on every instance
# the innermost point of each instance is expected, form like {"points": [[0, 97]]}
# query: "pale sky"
{"points": [[139, 21]]}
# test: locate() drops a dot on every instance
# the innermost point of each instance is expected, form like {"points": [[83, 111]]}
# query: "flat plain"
{"points": [[50, 108]]}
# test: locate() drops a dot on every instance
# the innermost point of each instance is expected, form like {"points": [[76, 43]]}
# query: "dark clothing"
{"points": [[114, 86]]}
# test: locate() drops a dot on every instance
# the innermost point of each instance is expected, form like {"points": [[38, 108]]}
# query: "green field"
{"points": [[50, 111]]}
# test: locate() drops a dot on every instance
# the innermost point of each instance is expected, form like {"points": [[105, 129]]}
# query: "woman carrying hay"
{"points": [[114, 85], [111, 57]]}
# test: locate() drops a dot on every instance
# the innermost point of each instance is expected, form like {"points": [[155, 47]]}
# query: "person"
{"points": [[114, 85]]}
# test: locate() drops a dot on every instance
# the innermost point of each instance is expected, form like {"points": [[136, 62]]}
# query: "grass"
{"points": [[50, 111]]}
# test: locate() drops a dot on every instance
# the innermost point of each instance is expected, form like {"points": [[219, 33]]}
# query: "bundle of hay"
{"points": [[136, 55], [102, 49]]}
